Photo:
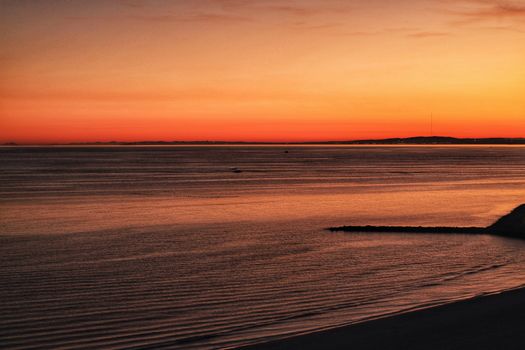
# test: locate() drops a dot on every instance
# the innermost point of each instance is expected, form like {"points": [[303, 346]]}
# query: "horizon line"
{"points": [[421, 138]]}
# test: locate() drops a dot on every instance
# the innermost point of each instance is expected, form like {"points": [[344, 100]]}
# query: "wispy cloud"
{"points": [[505, 29], [468, 11], [192, 17], [308, 11], [292, 10], [300, 9], [500, 9], [359, 33], [423, 35], [322, 26], [221, 11], [308, 16], [132, 3]]}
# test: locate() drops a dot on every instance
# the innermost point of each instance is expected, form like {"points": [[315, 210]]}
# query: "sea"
{"points": [[222, 246]]}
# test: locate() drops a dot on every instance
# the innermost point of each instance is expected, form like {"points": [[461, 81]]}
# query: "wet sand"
{"points": [[489, 322]]}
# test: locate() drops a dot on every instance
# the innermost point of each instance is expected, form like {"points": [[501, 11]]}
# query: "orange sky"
{"points": [[260, 70]]}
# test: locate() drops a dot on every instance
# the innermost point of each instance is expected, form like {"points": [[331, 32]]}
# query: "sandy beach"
{"points": [[488, 322]]}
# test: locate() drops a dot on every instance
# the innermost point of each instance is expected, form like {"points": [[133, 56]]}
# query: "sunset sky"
{"points": [[260, 70]]}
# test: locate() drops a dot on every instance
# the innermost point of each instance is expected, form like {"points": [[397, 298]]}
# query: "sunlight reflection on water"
{"points": [[149, 246]]}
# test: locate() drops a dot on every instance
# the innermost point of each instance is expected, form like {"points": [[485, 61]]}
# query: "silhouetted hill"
{"points": [[441, 140]]}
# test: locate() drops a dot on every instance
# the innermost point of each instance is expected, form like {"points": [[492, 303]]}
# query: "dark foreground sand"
{"points": [[490, 322]]}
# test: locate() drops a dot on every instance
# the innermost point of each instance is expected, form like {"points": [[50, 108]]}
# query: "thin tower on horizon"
{"points": [[431, 124]]}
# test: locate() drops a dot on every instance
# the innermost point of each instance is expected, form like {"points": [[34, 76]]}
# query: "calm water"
{"points": [[166, 247]]}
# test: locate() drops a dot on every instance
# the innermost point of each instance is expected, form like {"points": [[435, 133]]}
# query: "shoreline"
{"points": [[493, 321]]}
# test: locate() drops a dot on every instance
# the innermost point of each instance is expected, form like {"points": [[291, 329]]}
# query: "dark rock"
{"points": [[512, 224]]}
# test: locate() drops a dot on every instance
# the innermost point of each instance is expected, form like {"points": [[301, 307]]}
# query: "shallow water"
{"points": [[167, 247]]}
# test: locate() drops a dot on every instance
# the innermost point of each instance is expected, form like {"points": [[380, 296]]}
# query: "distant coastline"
{"points": [[416, 140]]}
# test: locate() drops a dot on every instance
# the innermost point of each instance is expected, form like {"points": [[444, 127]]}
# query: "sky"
{"points": [[260, 70]]}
